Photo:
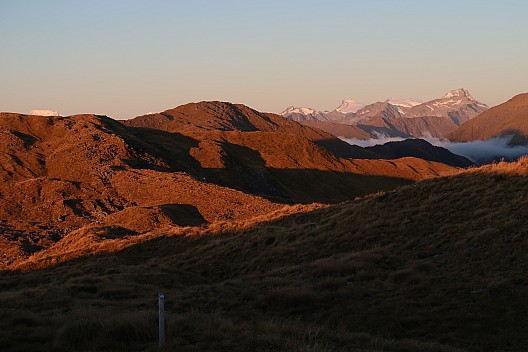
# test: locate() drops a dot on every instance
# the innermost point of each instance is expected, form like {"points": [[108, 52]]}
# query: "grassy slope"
{"points": [[437, 264], [506, 118]]}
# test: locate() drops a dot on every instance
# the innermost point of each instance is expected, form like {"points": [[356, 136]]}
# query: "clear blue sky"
{"points": [[126, 58]]}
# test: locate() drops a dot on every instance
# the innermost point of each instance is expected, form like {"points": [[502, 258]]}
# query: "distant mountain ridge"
{"points": [[304, 114], [397, 117]]}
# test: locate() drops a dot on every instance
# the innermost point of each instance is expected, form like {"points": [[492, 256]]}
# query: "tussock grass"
{"points": [[436, 266], [97, 329]]}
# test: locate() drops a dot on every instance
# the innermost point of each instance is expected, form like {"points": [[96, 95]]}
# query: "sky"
{"points": [[127, 58]]}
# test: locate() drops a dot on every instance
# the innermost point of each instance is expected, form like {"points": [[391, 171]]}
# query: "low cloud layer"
{"points": [[479, 152], [372, 142]]}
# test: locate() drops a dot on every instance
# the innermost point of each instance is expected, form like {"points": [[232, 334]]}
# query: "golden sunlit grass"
{"points": [[435, 266]]}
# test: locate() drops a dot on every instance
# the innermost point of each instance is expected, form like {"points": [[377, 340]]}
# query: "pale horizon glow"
{"points": [[126, 58]]}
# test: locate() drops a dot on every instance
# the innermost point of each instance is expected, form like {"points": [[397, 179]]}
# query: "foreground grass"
{"points": [[437, 266]]}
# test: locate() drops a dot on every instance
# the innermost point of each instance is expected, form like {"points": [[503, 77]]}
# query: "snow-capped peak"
{"points": [[44, 113], [458, 93], [350, 106], [298, 110], [404, 102]]}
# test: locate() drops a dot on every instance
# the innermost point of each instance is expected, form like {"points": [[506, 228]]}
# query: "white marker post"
{"points": [[161, 309]]}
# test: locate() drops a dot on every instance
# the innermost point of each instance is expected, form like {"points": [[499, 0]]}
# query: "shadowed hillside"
{"points": [[422, 149], [233, 138], [435, 266]]}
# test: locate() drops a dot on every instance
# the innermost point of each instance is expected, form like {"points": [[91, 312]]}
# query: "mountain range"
{"points": [[394, 117]]}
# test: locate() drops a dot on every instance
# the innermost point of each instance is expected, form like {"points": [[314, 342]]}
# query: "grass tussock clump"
{"points": [[94, 329], [290, 299], [503, 168]]}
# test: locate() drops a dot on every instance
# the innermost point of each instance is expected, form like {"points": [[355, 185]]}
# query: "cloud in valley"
{"points": [[480, 152], [381, 139]]}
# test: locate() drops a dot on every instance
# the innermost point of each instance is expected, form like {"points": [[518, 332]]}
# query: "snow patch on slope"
{"points": [[404, 102], [458, 93], [350, 106], [44, 113], [298, 110]]}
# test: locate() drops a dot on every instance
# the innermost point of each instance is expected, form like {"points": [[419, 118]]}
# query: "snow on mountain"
{"points": [[400, 116], [350, 106], [44, 113], [298, 110], [404, 102], [303, 114], [458, 93]]}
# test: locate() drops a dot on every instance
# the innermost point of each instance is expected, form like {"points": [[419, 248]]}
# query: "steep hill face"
{"points": [[424, 268], [510, 117], [407, 117], [422, 149]]}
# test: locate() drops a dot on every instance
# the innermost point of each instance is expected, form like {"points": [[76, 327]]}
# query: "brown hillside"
{"points": [[433, 126], [423, 126], [194, 118], [221, 116], [63, 173], [339, 129], [275, 156], [436, 266], [281, 167], [510, 117]]}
